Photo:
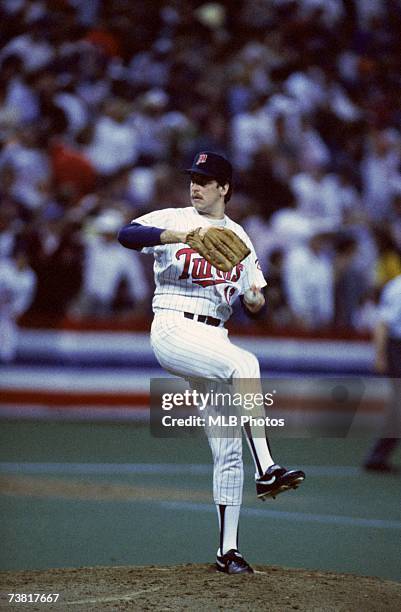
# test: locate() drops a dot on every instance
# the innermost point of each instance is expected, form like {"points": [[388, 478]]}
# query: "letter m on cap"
{"points": [[202, 158]]}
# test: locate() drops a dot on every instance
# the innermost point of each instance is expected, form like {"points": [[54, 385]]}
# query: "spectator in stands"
{"points": [[72, 171], [114, 145], [395, 223], [9, 115], [102, 37], [388, 264], [17, 286], [313, 152], [8, 226], [309, 283], [150, 68], [278, 313], [74, 107], [59, 266], [30, 164], [306, 86], [349, 283], [149, 121], [251, 131], [317, 197], [32, 47], [105, 269], [366, 316], [379, 170]]}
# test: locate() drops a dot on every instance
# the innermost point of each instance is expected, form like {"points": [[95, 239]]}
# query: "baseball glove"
{"points": [[219, 246]]}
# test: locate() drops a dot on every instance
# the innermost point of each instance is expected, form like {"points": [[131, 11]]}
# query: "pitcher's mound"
{"points": [[200, 587]]}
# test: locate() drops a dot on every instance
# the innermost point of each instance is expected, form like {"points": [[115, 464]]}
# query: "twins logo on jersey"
{"points": [[202, 272]]}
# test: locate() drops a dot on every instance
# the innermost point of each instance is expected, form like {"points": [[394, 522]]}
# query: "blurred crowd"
{"points": [[103, 103]]}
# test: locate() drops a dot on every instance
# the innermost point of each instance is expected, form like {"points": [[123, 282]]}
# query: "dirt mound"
{"points": [[200, 587]]}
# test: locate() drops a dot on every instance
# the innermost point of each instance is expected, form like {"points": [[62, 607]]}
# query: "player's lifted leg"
{"points": [[271, 478]]}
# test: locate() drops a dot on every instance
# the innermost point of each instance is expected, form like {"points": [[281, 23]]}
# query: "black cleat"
{"points": [[276, 480], [233, 563]]}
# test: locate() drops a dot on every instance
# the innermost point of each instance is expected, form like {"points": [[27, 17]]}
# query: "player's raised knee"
{"points": [[247, 366]]}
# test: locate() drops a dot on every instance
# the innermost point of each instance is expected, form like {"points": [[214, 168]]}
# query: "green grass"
{"points": [[52, 532]]}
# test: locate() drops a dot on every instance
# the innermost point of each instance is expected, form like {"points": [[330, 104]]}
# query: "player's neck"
{"points": [[212, 216], [216, 213]]}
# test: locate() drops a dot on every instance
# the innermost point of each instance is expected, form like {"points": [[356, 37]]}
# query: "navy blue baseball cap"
{"points": [[213, 165]]}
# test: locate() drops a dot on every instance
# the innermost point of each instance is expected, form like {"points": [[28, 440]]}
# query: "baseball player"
{"points": [[387, 344], [203, 263]]}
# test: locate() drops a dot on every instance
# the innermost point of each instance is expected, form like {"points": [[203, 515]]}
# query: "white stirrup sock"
{"points": [[228, 523], [260, 451]]}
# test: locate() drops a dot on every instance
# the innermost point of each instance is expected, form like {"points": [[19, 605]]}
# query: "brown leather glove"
{"points": [[219, 246]]}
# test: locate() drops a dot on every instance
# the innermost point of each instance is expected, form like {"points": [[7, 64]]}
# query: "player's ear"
{"points": [[225, 188]]}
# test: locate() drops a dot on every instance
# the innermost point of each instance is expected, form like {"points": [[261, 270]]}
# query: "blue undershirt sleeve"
{"points": [[136, 236]]}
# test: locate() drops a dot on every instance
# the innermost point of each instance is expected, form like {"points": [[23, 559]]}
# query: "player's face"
{"points": [[207, 196]]}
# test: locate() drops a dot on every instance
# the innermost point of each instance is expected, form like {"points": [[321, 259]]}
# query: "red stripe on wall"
{"points": [[61, 398], [134, 400]]}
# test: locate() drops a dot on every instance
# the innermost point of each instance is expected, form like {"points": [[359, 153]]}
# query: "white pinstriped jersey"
{"points": [[184, 280]]}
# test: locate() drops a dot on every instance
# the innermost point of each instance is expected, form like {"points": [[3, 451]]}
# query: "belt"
{"points": [[203, 319]]}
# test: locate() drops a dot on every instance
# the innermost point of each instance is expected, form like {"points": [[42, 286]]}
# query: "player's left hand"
{"points": [[219, 246], [254, 299]]}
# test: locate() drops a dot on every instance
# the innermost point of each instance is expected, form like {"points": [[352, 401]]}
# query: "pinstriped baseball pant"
{"points": [[194, 350]]}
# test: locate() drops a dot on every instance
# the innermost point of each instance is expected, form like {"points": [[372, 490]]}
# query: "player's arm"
{"points": [[254, 287], [173, 237], [137, 236]]}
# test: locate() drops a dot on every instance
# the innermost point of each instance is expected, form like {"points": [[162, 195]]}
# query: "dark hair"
{"points": [[229, 193]]}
